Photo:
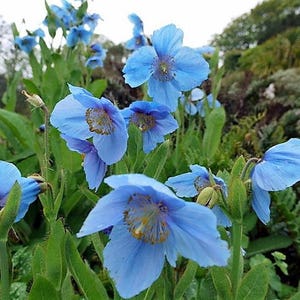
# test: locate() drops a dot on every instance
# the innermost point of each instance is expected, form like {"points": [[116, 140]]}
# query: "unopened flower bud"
{"points": [[208, 197], [41, 181], [34, 99]]}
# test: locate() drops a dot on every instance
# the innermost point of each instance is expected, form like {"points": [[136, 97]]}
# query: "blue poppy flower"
{"points": [[209, 100], [94, 167], [78, 34], [167, 66], [190, 102], [276, 171], [26, 43], [82, 116], [9, 174], [64, 16], [91, 20], [137, 22], [98, 50], [205, 50], [192, 183], [94, 62], [150, 222], [154, 121]]}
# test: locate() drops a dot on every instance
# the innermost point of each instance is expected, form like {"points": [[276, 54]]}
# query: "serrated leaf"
{"points": [[254, 285]]}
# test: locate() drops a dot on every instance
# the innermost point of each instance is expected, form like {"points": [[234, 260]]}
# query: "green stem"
{"points": [[4, 269], [237, 264]]}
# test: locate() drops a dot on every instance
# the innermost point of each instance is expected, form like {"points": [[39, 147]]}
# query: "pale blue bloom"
{"points": [[78, 34], [277, 170], [97, 59], [82, 116], [206, 50], [192, 183], [151, 223], [30, 189], [154, 121], [167, 66], [190, 102], [26, 43], [209, 100], [94, 167], [91, 20]]}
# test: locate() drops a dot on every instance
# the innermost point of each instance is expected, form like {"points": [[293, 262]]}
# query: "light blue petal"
{"points": [[77, 145], [183, 184], [166, 125], [222, 219], [279, 167], [190, 108], [30, 189], [116, 181], [111, 148], [261, 203], [68, 117], [107, 212], [94, 169], [150, 140], [195, 232], [9, 173], [197, 94], [133, 264], [167, 40], [164, 93], [139, 66], [191, 68]]}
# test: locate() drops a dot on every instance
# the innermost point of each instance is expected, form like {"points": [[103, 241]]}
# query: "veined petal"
{"points": [[9, 173], [183, 184], [150, 140], [80, 146], [116, 181], [107, 212], [164, 93], [30, 189], [261, 203], [191, 68], [94, 169], [279, 167], [132, 264], [138, 68], [68, 117], [197, 238], [167, 40]]}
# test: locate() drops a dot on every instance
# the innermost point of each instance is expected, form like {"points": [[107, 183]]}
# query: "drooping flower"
{"points": [[150, 222], [192, 183], [277, 170], [9, 174], [91, 20], [209, 100], [97, 59], [94, 167], [153, 120], [190, 102], [82, 116], [78, 34], [26, 43], [139, 39], [167, 66]]}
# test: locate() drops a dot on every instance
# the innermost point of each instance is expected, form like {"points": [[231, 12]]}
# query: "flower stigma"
{"points": [[99, 121], [163, 68], [146, 219], [143, 121]]}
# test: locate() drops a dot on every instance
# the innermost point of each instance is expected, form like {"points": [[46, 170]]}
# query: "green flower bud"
{"points": [[208, 197]]}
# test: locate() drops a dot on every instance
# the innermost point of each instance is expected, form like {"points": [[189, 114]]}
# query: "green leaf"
{"points": [[214, 123], [36, 68], [43, 289], [269, 243], [185, 279], [254, 285], [156, 160], [222, 282], [237, 198], [55, 264], [85, 278], [10, 211], [238, 167], [97, 87], [31, 87], [207, 289], [39, 261]]}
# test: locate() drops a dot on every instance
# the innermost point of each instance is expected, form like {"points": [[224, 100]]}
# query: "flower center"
{"points": [[99, 121], [146, 220], [164, 68], [143, 121], [200, 183]]}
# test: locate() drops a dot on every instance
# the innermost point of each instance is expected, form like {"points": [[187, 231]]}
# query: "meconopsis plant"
{"points": [[130, 188]]}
